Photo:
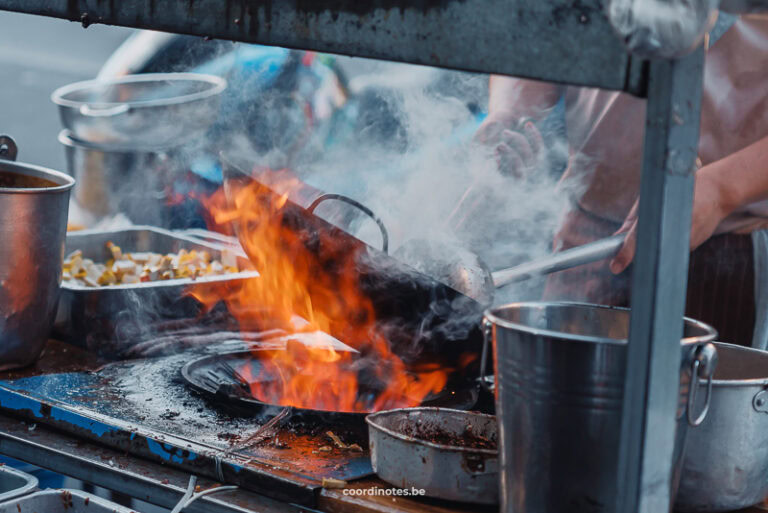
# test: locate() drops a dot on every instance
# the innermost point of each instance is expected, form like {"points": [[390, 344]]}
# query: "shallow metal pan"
{"points": [[403, 455], [87, 316]]}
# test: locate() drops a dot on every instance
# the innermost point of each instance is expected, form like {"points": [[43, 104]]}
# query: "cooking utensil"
{"points": [[407, 450], [560, 370], [726, 459], [218, 378], [425, 319], [152, 109], [114, 179], [34, 202], [88, 316], [467, 273]]}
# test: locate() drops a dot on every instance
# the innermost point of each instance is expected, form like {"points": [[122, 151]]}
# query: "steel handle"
{"points": [[360, 206], [105, 112], [487, 333], [567, 259], [703, 366], [8, 148]]}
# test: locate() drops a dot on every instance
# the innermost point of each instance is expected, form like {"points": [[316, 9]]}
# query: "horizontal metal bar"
{"points": [[553, 40], [114, 470]]}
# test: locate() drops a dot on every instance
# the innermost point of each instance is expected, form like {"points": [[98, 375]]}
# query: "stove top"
{"points": [[144, 408]]}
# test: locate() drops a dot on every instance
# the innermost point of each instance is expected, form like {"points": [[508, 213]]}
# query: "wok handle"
{"points": [[8, 148], [104, 112], [360, 206], [567, 259]]}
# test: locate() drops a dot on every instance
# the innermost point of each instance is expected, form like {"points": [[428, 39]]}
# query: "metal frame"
{"points": [[554, 40], [658, 285]]}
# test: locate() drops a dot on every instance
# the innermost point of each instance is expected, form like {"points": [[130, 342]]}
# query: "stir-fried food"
{"points": [[124, 268]]}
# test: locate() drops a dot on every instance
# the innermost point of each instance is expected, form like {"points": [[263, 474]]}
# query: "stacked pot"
{"points": [[127, 139]]}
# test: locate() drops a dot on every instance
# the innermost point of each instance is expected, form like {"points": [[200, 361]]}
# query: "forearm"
{"points": [[513, 98], [742, 177]]}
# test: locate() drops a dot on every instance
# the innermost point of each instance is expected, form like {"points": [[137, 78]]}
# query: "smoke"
{"points": [[407, 152]]}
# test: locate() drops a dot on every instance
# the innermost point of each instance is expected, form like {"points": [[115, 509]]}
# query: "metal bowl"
{"points": [[33, 225], [153, 109], [415, 463], [725, 467]]}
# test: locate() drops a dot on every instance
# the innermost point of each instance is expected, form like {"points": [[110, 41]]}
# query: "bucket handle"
{"points": [[487, 329], [703, 366]]}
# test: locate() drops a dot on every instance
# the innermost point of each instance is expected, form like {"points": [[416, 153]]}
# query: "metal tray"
{"points": [[15, 483], [64, 501], [89, 315]]}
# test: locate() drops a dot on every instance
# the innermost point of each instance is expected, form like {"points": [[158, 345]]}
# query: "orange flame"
{"points": [[313, 277]]}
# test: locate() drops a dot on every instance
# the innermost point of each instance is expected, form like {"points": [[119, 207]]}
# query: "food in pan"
{"points": [[125, 268]]}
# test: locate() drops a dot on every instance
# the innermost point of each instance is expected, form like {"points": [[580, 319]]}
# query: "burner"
{"points": [[216, 377]]}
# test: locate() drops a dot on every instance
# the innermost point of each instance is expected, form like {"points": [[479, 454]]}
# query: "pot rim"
{"points": [[70, 140], [218, 85], [40, 172], [372, 418], [491, 315], [732, 383]]}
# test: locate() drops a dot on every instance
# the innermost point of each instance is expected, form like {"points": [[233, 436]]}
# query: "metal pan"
{"points": [[426, 320], [87, 316], [407, 451]]}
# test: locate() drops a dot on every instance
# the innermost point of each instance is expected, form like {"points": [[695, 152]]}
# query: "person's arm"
{"points": [[721, 188], [511, 100]]}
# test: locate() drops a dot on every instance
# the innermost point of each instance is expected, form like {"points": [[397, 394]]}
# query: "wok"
{"points": [[425, 320]]}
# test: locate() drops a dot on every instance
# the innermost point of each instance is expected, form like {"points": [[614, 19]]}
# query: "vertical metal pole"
{"points": [[658, 285]]}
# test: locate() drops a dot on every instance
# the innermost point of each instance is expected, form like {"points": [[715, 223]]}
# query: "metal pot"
{"points": [[559, 370], [33, 225], [154, 109], [443, 471], [115, 179], [726, 459]]}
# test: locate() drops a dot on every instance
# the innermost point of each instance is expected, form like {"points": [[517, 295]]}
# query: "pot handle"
{"points": [[487, 328], [106, 112], [8, 148], [367, 211], [703, 366]]}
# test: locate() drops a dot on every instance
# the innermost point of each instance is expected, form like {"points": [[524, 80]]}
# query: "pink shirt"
{"points": [[605, 129]]}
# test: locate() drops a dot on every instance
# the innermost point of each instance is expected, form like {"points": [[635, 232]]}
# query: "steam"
{"points": [[411, 159]]}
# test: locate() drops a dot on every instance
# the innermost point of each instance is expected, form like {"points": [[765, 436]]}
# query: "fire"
{"points": [[310, 277]]}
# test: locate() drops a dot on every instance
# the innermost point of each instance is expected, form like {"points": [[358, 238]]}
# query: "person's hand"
{"points": [[517, 151], [709, 210]]}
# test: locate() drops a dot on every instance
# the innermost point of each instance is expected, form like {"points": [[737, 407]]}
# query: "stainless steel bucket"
{"points": [[33, 225], [725, 467], [559, 370]]}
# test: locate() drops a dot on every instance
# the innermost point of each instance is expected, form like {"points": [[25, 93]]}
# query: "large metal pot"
{"points": [[726, 459], [560, 370], [155, 109], [34, 203], [114, 179]]}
